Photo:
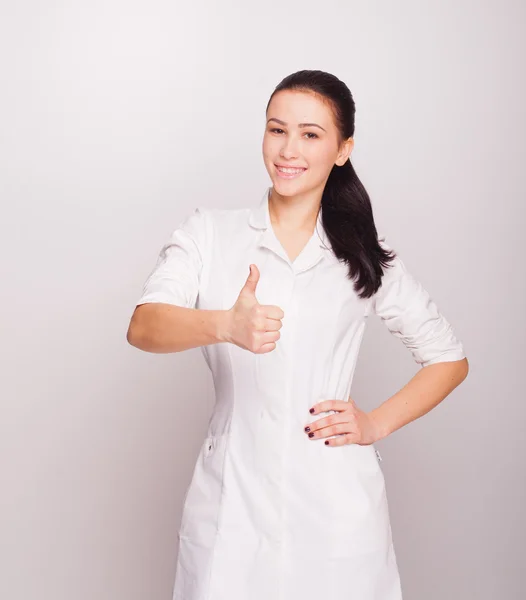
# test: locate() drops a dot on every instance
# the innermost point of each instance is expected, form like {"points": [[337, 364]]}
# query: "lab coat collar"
{"points": [[312, 253]]}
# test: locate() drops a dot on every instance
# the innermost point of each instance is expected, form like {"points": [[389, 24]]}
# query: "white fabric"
{"points": [[271, 514]]}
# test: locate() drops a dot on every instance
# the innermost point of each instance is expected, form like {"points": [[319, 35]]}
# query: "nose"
{"points": [[288, 148]]}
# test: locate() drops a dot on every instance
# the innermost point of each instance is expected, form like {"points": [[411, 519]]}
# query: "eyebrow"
{"points": [[299, 124]]}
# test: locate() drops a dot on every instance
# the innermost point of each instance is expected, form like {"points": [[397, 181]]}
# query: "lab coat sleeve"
{"points": [[411, 315], [176, 276]]}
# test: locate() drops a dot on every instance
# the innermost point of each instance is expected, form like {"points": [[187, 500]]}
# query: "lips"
{"points": [[290, 170]]}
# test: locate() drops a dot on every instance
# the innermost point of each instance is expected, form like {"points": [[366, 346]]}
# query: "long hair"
{"points": [[347, 214]]}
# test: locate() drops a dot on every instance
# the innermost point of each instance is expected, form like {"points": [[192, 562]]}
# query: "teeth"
{"points": [[285, 170]]}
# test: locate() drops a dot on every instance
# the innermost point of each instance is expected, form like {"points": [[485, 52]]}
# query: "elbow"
{"points": [[465, 367], [134, 335], [456, 370], [144, 327], [129, 336], [460, 370]]}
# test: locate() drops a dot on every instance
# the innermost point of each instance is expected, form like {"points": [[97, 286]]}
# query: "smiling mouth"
{"points": [[290, 171]]}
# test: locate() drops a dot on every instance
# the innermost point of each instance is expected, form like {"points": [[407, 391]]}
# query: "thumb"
{"points": [[252, 280]]}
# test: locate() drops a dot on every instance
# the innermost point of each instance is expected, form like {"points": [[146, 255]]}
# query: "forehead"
{"points": [[300, 107]]}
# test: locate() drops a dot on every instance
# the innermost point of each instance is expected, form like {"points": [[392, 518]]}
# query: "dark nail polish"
{"points": [[307, 428], [311, 410], [311, 433], [326, 442]]}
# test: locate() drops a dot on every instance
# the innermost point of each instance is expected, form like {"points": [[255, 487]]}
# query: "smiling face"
{"points": [[301, 143]]}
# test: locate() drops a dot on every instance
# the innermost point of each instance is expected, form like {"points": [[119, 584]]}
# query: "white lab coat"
{"points": [[271, 514]]}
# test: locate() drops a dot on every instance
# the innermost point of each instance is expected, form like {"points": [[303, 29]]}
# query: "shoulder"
{"points": [[206, 224], [202, 220], [227, 223], [228, 215], [395, 277]]}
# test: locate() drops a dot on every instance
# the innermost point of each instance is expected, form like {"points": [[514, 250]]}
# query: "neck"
{"points": [[298, 212]]}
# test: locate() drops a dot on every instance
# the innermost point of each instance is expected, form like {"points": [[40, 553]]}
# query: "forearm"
{"points": [[164, 328], [422, 393]]}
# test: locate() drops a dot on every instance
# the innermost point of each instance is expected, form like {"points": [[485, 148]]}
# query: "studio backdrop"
{"points": [[117, 119]]}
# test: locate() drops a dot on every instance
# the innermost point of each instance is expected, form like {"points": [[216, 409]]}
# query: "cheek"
{"points": [[269, 148], [320, 156]]}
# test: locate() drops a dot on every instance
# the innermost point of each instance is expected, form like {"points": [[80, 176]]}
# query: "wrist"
{"points": [[380, 427], [223, 318]]}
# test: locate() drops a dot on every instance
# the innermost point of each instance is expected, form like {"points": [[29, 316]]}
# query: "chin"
{"points": [[289, 188], [285, 188]]}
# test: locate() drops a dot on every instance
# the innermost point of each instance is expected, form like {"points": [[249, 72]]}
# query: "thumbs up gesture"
{"points": [[251, 325]]}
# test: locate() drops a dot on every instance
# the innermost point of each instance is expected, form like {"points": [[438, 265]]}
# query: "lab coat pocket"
{"points": [[209, 445], [368, 458], [203, 498], [359, 511]]}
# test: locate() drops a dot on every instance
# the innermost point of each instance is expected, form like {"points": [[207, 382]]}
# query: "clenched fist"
{"points": [[251, 325]]}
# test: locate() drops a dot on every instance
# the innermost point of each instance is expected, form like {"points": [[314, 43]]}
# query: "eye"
{"points": [[308, 133]]}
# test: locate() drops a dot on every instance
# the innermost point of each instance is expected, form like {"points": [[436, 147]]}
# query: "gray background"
{"points": [[117, 119]]}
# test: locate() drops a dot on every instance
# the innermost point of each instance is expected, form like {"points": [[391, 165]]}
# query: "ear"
{"points": [[345, 151]]}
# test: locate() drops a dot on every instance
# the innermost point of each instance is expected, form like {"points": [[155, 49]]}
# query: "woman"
{"points": [[287, 499]]}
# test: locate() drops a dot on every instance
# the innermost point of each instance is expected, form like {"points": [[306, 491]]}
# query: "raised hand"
{"points": [[251, 325]]}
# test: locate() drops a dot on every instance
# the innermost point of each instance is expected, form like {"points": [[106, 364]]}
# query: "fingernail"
{"points": [[311, 433], [307, 428], [326, 442], [311, 410]]}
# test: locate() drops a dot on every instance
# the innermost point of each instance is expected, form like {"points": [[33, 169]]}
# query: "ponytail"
{"points": [[347, 218]]}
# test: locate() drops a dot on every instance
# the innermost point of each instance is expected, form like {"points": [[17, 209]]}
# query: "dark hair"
{"points": [[347, 214]]}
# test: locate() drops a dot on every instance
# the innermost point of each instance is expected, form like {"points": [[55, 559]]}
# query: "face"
{"points": [[301, 143]]}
